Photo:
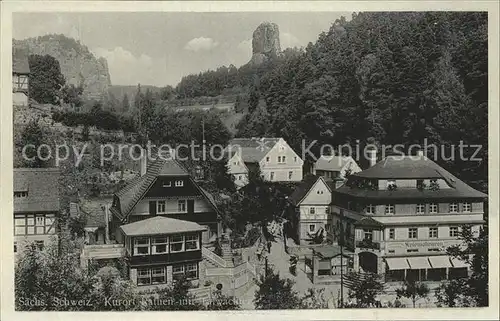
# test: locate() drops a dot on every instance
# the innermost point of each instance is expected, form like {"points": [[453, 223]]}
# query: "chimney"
{"points": [[372, 156], [144, 163]]}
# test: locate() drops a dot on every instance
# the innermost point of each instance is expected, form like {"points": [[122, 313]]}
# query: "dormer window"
{"points": [[21, 194], [167, 184], [179, 183]]}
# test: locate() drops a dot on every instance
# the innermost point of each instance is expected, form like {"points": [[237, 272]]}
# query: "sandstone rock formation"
{"points": [[265, 43], [78, 64]]}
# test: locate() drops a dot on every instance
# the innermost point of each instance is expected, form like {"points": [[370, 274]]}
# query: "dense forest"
{"points": [[393, 78]]}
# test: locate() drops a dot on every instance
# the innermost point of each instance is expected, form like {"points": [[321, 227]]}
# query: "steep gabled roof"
{"points": [[252, 150], [303, 189], [42, 185], [20, 62], [159, 225]]}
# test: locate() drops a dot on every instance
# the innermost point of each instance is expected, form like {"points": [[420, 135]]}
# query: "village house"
{"points": [[20, 77], [276, 160], [36, 206], [309, 215], [401, 214], [335, 167]]}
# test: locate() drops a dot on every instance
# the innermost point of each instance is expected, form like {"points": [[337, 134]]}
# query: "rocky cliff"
{"points": [[265, 43], [78, 64]]}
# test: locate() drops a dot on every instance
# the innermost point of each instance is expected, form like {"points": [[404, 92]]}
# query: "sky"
{"points": [[159, 48]]}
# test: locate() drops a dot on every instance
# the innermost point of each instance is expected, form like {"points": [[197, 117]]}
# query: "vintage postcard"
{"points": [[265, 159]]}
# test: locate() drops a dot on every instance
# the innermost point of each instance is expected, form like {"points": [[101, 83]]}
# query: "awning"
{"points": [[420, 262], [397, 263], [439, 262], [324, 265], [457, 263]]}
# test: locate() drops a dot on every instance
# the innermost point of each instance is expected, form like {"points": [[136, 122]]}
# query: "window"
{"points": [[411, 250], [141, 246], [159, 245], [453, 231], [191, 270], [391, 234], [466, 207], [434, 250], [433, 232], [412, 233], [295, 159], [239, 177], [327, 210], [389, 209], [33, 224], [312, 227], [290, 175], [181, 206], [143, 276], [370, 209], [420, 208], [158, 275], [179, 183], [177, 243], [319, 192], [267, 159], [420, 184], [271, 176], [177, 271], [160, 207], [22, 194], [15, 247], [312, 210], [192, 242], [368, 234], [433, 208], [391, 251], [453, 208], [167, 184]]}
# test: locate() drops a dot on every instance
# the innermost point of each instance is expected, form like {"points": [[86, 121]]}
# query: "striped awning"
{"points": [[440, 262], [397, 263], [457, 263], [419, 262]]}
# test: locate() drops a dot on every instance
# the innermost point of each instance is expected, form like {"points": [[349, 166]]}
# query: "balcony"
{"points": [[368, 244]]}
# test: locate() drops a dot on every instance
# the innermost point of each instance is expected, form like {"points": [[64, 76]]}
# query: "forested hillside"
{"points": [[398, 78]]}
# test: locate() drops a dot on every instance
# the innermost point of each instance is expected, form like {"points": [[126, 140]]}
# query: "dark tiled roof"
{"points": [[395, 167], [135, 190], [252, 150], [20, 63], [301, 191], [160, 225], [42, 185]]}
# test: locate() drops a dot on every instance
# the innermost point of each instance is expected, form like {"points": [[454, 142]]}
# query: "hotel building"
{"points": [[400, 215]]}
